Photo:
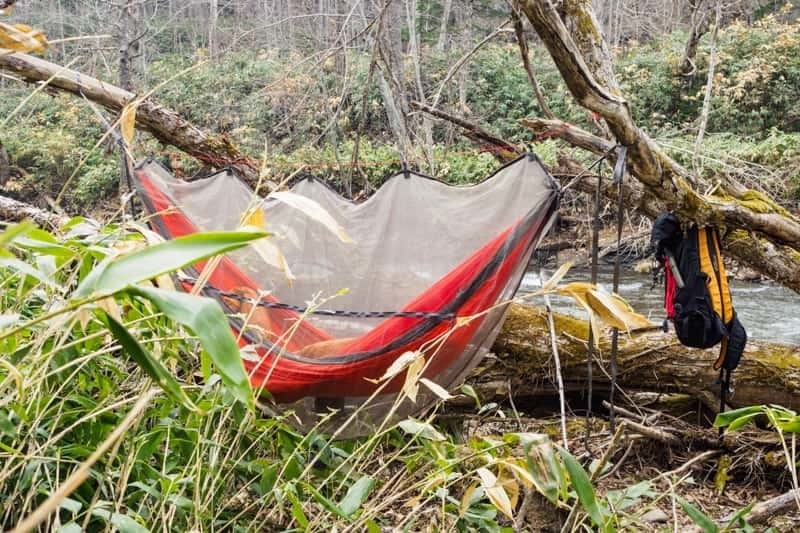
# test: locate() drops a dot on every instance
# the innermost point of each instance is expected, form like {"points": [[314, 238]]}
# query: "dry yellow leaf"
{"points": [[466, 499], [411, 384], [127, 122], [506, 479], [109, 305], [611, 309], [495, 492], [21, 38], [254, 217], [437, 389]]}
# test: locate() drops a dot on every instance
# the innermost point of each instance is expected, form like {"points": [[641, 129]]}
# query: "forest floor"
{"points": [[746, 468]]}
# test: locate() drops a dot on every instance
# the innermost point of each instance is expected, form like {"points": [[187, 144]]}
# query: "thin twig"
{"points": [[559, 378]]}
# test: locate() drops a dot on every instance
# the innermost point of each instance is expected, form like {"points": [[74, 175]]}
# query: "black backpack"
{"points": [[696, 296]]}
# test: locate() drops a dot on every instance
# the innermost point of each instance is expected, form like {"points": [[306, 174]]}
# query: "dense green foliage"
{"points": [[89, 357]]}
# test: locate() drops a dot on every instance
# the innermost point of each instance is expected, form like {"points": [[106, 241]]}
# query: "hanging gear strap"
{"points": [[619, 175], [595, 252]]}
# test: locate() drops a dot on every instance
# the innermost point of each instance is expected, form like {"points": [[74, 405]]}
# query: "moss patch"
{"points": [[755, 201]]}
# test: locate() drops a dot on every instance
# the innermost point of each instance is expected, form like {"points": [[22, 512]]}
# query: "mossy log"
{"points": [[651, 361]]}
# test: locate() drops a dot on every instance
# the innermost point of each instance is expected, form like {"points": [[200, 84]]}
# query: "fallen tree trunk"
{"points": [[15, 211], [164, 124], [652, 361]]}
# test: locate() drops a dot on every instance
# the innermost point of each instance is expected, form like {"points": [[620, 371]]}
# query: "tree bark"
{"points": [[5, 165], [502, 149], [699, 26], [164, 124], [652, 361], [522, 42], [712, 63], [441, 42]]}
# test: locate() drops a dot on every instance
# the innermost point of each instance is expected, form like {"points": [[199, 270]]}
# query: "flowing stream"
{"points": [[767, 311]]}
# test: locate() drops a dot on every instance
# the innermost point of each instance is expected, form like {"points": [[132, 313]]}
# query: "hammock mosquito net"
{"points": [[430, 269]]}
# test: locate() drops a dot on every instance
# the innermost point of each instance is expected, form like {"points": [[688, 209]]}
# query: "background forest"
{"points": [[301, 82], [117, 414]]}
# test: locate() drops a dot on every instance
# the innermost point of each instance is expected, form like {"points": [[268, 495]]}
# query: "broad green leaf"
{"points": [[14, 231], [583, 487], [790, 425], [740, 516], [205, 318], [70, 505], [24, 268], [356, 495], [148, 363], [70, 527], [699, 517], [115, 274], [728, 417], [124, 523], [326, 503], [526, 440], [297, 507], [421, 429], [742, 421], [470, 391]]}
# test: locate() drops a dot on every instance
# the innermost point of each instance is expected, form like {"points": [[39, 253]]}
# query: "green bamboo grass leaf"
{"points": [[14, 231], [326, 503], [148, 363], [739, 519], [421, 429], [742, 415], [205, 318], [699, 517], [29, 270], [356, 495], [115, 274], [297, 507], [583, 487], [124, 523]]}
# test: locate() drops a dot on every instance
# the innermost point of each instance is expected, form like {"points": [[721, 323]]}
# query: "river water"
{"points": [[767, 311]]}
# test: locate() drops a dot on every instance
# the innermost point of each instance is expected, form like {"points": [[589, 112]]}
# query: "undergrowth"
{"points": [[124, 404]]}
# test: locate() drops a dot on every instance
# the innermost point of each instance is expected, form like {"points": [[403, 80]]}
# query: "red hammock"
{"points": [[461, 310]]}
